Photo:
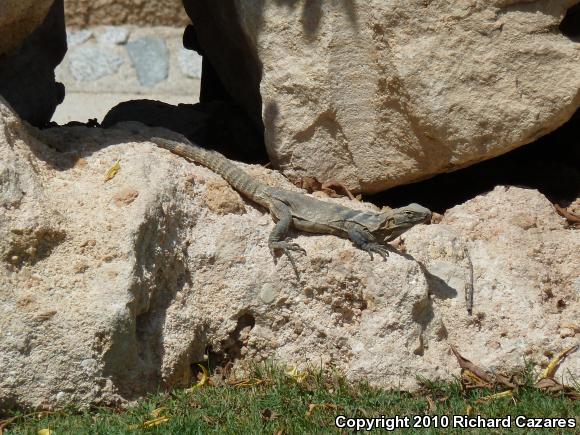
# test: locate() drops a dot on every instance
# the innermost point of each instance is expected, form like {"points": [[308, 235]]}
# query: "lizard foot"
{"points": [[286, 247], [371, 247]]}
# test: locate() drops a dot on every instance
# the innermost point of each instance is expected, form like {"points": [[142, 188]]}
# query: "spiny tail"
{"points": [[213, 160]]}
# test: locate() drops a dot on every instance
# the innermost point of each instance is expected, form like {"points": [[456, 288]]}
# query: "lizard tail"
{"points": [[213, 160]]}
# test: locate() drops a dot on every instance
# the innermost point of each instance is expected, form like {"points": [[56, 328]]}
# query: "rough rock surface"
{"points": [[378, 94], [82, 13], [110, 289]]}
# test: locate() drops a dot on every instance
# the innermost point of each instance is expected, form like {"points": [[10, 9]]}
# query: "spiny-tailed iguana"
{"points": [[304, 212]]}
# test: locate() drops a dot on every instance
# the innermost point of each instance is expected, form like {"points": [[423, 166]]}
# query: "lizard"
{"points": [[367, 230]]}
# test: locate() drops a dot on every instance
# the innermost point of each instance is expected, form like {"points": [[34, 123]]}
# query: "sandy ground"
{"points": [[84, 106]]}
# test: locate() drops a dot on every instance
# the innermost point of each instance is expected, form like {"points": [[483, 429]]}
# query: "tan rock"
{"points": [[377, 94], [125, 196], [526, 279], [18, 19], [132, 295], [82, 13]]}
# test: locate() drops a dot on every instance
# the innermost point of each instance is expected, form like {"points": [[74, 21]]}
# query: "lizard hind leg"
{"points": [[278, 240]]}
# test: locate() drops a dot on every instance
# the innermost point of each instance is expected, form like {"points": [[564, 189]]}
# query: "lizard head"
{"points": [[399, 220]]}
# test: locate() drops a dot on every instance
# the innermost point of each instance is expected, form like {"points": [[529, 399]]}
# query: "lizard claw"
{"points": [[294, 247], [375, 247], [286, 247]]}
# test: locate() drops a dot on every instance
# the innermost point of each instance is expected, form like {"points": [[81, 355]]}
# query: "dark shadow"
{"points": [[27, 78], [350, 10], [238, 337], [570, 25], [216, 125], [230, 350], [312, 11], [437, 286], [551, 165], [138, 373], [311, 16], [231, 67], [422, 314]]}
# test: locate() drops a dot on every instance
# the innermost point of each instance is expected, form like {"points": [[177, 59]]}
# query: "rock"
{"points": [[80, 13], [78, 37], [114, 35], [378, 94], [18, 19], [525, 268], [113, 40], [140, 285], [90, 63], [190, 63], [27, 79], [150, 59]]}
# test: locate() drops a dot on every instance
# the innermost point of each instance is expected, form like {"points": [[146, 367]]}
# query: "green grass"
{"points": [[280, 403]]}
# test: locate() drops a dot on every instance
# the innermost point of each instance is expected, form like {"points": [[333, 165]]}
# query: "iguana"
{"points": [[303, 212]]}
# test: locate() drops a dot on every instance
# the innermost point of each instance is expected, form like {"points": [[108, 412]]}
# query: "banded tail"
{"points": [[213, 160]]}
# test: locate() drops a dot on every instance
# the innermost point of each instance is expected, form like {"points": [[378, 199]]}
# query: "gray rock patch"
{"points": [[77, 37], [189, 63], [268, 293], [92, 63], [114, 35], [150, 58]]}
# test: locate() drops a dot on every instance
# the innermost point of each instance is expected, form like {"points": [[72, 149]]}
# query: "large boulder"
{"points": [[377, 94], [111, 289], [18, 19]]}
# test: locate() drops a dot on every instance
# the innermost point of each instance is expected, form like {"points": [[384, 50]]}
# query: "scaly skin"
{"points": [[367, 230]]}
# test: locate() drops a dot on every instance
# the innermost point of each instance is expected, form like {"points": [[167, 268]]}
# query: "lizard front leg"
{"points": [[366, 241], [277, 239]]}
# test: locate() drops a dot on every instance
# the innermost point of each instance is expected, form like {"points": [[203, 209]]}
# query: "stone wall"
{"points": [[82, 13]]}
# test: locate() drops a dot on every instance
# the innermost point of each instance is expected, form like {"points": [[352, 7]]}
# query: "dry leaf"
{"points": [[508, 393], [150, 423], [246, 382], [113, 171], [471, 378], [203, 380], [155, 422], [552, 367], [45, 432], [313, 406], [296, 375], [208, 419], [432, 406], [549, 384], [158, 411], [570, 217], [480, 373]]}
